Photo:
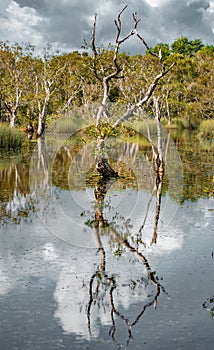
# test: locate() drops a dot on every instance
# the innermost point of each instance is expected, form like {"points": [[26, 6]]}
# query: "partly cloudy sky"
{"points": [[67, 22]]}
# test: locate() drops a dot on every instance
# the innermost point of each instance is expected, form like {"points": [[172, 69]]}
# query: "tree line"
{"points": [[33, 88]]}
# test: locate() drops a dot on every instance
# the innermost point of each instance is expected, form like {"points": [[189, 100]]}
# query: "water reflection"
{"points": [[15, 198], [103, 289], [114, 283], [102, 285]]}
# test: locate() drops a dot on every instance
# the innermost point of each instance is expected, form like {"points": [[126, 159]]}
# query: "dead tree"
{"points": [[102, 164], [103, 75], [106, 79]]}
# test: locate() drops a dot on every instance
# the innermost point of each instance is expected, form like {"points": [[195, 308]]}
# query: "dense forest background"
{"points": [[56, 81]]}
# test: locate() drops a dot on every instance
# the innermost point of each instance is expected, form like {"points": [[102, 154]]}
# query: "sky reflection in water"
{"points": [[32, 259], [67, 282]]}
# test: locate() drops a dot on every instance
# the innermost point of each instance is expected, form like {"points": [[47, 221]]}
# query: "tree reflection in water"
{"points": [[18, 200], [101, 282]]}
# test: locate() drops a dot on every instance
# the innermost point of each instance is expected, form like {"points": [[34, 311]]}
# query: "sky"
{"points": [[66, 23]]}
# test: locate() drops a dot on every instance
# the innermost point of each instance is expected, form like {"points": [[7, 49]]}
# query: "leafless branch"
{"points": [[131, 110], [93, 47], [115, 74]]}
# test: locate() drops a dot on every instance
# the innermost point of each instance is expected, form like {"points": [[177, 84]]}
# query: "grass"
{"points": [[10, 139], [207, 128], [186, 123]]}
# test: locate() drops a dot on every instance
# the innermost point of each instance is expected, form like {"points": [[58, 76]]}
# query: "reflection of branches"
{"points": [[151, 275], [101, 283], [122, 317], [139, 234], [110, 283], [101, 276], [100, 279], [159, 174], [18, 200], [42, 160], [159, 170], [152, 278]]}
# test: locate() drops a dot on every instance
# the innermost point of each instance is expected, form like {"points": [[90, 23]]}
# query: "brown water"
{"points": [[71, 281]]}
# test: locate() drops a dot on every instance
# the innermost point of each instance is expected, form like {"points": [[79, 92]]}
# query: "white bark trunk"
{"points": [[43, 111], [13, 118], [13, 108]]}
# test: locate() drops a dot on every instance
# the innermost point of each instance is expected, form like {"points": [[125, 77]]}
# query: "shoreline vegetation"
{"points": [[12, 140], [57, 83], [196, 158]]}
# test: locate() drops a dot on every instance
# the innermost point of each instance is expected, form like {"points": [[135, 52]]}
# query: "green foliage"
{"points": [[165, 50], [10, 139], [209, 190], [207, 49], [107, 130], [184, 46], [186, 92]]}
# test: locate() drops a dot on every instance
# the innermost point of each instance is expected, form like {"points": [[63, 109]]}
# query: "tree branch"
{"points": [[105, 79], [130, 111]]}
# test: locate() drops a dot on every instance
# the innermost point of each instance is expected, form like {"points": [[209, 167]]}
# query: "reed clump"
{"points": [[10, 139]]}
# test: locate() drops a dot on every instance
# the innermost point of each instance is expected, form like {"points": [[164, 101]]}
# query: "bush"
{"points": [[10, 139]]}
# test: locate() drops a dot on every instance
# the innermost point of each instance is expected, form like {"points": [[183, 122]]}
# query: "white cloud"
{"points": [[20, 24], [155, 3]]}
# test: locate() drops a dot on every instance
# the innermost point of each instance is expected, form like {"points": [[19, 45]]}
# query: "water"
{"points": [[76, 273]]}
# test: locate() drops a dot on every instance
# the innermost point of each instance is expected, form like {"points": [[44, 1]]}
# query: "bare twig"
{"points": [[131, 110], [115, 74]]}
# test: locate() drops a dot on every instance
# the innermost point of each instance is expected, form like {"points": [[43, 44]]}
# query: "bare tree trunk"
{"points": [[13, 108], [12, 116], [102, 165], [43, 110], [167, 107]]}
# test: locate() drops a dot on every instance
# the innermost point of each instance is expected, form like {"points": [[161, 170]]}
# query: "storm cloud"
{"points": [[68, 22]]}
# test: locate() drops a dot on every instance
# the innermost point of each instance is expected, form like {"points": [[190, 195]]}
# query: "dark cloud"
{"points": [[199, 4], [36, 4], [186, 18], [68, 22]]}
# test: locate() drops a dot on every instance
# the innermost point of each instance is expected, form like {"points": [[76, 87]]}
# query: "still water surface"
{"points": [[68, 283]]}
